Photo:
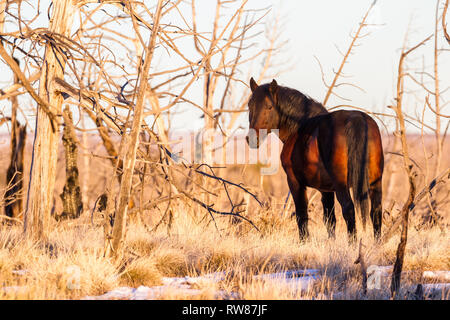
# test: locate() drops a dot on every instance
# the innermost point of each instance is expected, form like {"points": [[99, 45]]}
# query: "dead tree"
{"points": [[229, 42], [71, 195], [14, 174], [439, 140], [407, 164], [444, 24], [357, 36], [82, 68], [131, 146], [43, 170]]}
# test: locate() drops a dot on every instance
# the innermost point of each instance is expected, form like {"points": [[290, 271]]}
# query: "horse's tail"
{"points": [[357, 176]]}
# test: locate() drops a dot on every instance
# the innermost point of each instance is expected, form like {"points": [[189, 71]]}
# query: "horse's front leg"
{"points": [[301, 213], [298, 192]]}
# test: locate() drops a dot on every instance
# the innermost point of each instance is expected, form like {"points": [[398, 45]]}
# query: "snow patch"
{"points": [[442, 275], [293, 280], [143, 293]]}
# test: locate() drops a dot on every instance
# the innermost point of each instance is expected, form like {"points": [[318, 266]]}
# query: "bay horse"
{"points": [[329, 151]]}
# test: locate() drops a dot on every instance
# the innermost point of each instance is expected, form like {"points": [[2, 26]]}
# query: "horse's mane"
{"points": [[295, 107]]}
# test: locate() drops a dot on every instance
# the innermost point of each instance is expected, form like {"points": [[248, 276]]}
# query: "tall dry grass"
{"points": [[193, 244]]}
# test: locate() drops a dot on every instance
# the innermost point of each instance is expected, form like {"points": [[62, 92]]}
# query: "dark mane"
{"points": [[295, 107]]}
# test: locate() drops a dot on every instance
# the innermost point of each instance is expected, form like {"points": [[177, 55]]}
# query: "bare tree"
{"points": [[125, 97], [437, 96], [355, 37], [407, 164], [14, 174], [71, 195], [444, 24], [132, 144], [15, 171], [42, 173]]}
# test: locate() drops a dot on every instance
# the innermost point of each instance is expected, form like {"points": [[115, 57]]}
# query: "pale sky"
{"points": [[318, 28], [315, 28]]}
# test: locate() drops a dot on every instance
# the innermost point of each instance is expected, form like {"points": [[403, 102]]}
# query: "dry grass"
{"points": [[194, 246], [194, 249]]}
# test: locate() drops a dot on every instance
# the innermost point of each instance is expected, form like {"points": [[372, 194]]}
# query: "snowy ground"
{"points": [[186, 286], [293, 280]]}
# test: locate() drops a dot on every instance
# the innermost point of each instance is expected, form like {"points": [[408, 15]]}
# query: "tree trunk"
{"points": [[437, 97], [14, 175], [45, 147], [71, 195], [407, 164]]}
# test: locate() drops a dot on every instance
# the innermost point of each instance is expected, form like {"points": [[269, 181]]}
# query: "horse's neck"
{"points": [[295, 109], [316, 109]]}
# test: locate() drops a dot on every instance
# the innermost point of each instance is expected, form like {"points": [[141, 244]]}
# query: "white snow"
{"points": [[19, 272], [443, 275], [14, 290], [143, 293], [292, 280], [210, 277]]}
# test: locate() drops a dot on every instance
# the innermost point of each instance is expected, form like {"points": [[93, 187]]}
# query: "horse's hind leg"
{"points": [[348, 211], [375, 193], [329, 217]]}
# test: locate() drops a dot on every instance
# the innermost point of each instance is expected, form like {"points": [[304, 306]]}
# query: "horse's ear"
{"points": [[273, 89], [253, 84]]}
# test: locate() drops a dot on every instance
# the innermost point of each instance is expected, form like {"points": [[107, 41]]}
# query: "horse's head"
{"points": [[262, 108]]}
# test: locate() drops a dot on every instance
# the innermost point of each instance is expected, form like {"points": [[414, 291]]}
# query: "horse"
{"points": [[332, 152]]}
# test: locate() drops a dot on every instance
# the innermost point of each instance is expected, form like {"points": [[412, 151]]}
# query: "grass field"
{"points": [[191, 244]]}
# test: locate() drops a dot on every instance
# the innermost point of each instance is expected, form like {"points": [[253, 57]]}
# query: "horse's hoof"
{"points": [[352, 240], [304, 238]]}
